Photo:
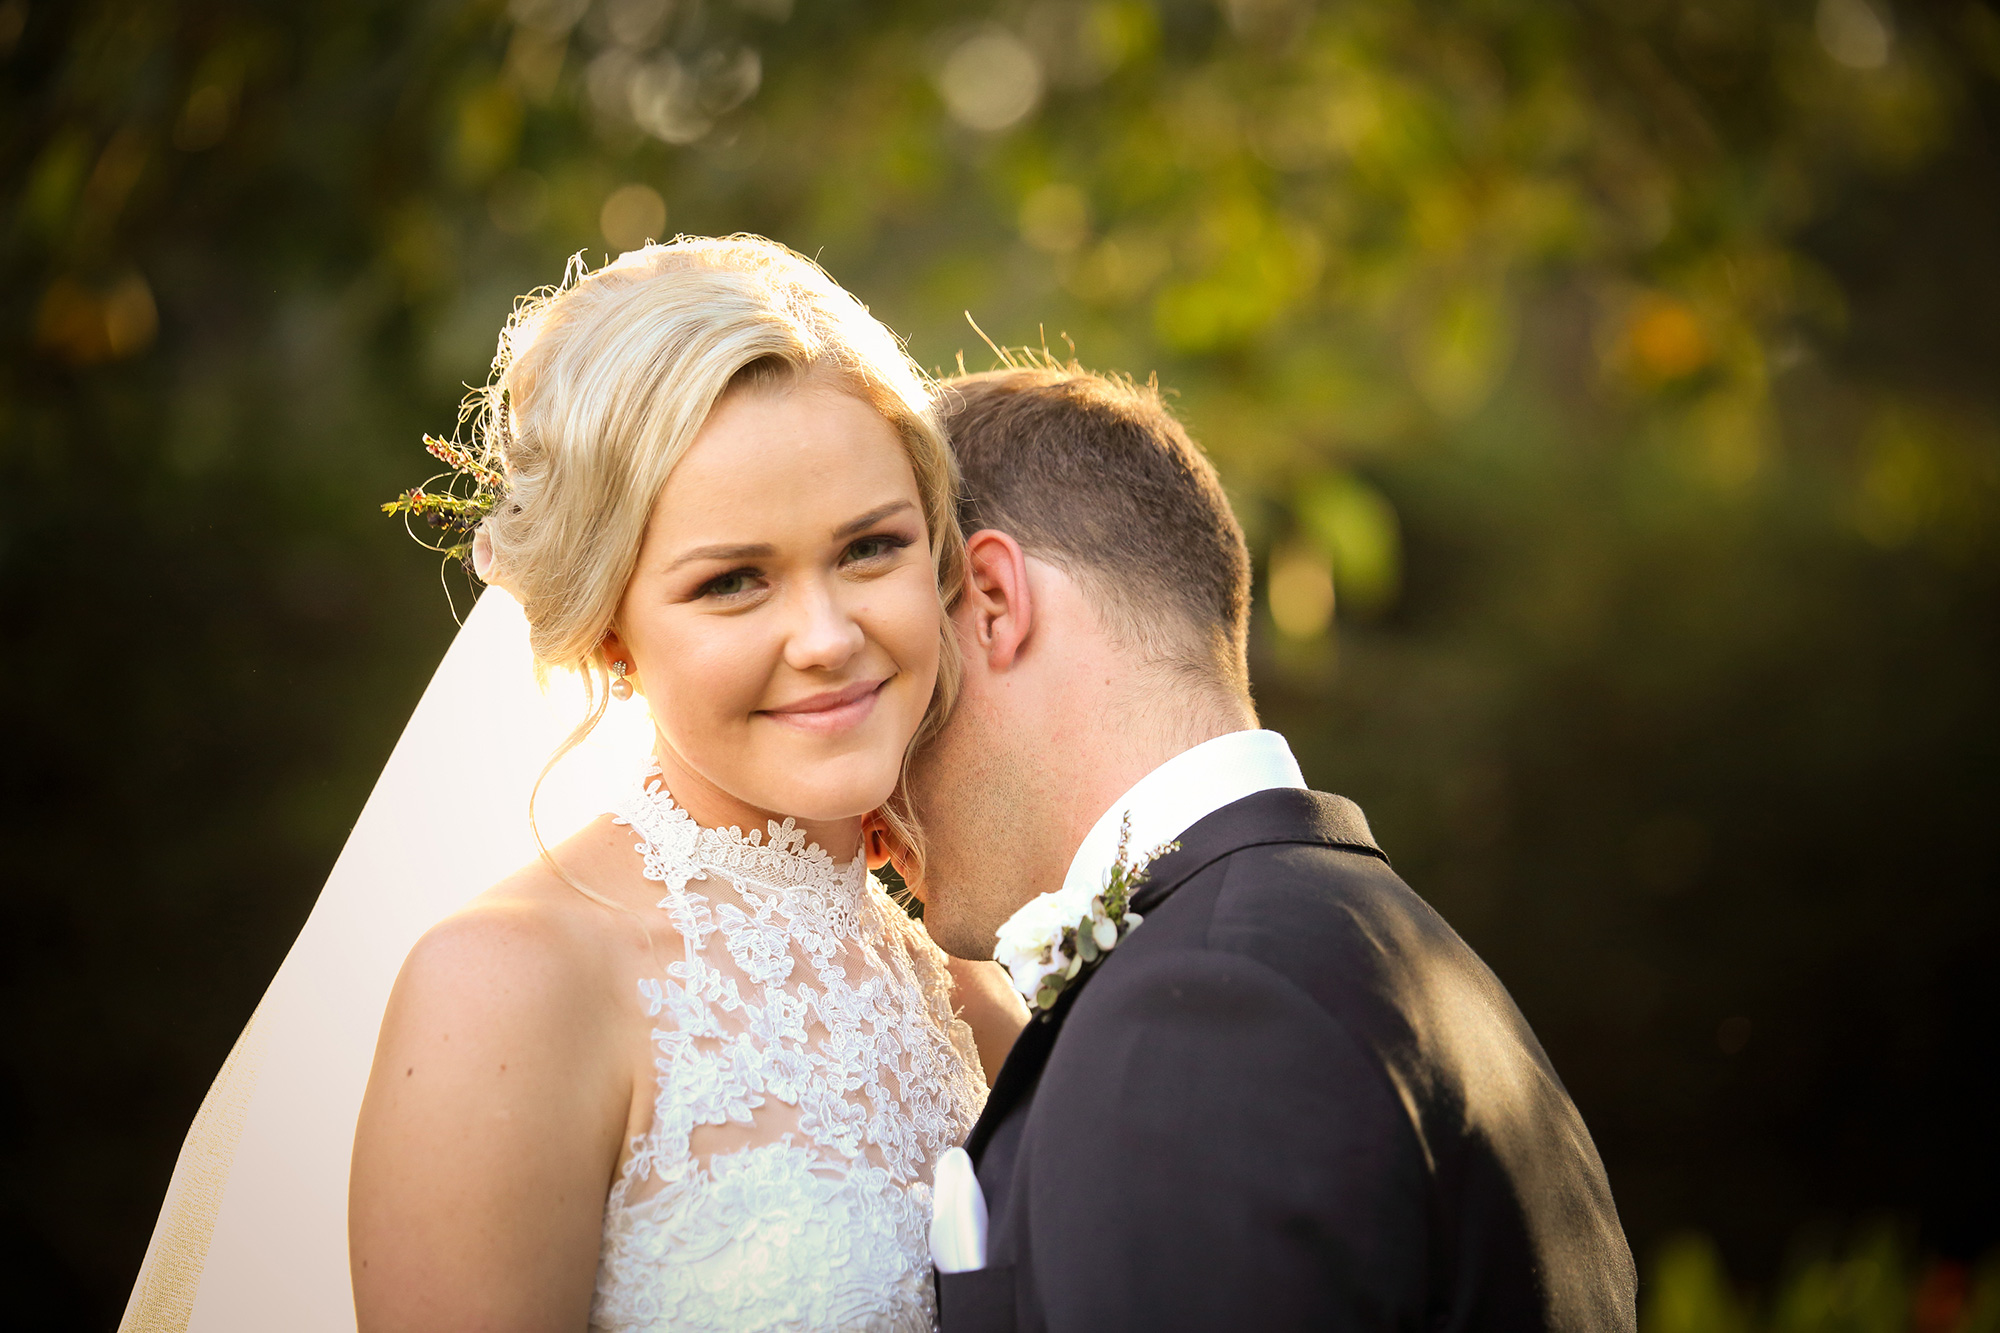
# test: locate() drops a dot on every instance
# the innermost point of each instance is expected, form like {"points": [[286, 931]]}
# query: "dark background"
{"points": [[1609, 390]]}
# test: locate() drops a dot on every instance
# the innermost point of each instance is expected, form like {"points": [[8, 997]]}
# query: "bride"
{"points": [[673, 1073]]}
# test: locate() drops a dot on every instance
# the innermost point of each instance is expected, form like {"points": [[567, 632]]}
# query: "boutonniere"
{"points": [[1054, 940]]}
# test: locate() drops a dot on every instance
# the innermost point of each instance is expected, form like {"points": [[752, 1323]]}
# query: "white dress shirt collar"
{"points": [[1180, 793]]}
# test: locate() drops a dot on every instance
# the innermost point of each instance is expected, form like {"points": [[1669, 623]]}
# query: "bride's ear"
{"points": [[876, 839], [617, 659], [996, 596], [881, 845], [611, 649]]}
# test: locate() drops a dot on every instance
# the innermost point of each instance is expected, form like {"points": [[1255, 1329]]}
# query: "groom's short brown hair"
{"points": [[1093, 474]]}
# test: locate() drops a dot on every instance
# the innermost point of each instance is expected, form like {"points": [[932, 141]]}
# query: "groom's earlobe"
{"points": [[997, 596]]}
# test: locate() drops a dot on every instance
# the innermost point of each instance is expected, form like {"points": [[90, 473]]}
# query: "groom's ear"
{"points": [[998, 607]]}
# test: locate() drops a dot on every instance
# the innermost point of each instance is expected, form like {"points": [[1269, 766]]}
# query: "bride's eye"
{"points": [[865, 550], [733, 584]]}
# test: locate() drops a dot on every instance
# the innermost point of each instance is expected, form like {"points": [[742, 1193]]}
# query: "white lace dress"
{"points": [[810, 1072]]}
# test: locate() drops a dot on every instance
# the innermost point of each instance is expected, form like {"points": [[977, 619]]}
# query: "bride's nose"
{"points": [[823, 634]]}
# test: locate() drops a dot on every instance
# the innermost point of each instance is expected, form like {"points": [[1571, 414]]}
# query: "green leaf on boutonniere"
{"points": [[1046, 959]]}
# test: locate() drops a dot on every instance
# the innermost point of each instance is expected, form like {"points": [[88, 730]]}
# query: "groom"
{"points": [[1292, 1097]]}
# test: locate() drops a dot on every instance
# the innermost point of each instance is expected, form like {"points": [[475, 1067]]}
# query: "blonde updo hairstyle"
{"points": [[599, 388]]}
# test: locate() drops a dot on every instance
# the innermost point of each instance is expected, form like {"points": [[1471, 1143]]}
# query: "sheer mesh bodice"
{"points": [[810, 1071]]}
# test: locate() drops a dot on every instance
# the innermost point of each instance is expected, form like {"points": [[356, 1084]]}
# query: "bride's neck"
{"points": [[712, 807]]}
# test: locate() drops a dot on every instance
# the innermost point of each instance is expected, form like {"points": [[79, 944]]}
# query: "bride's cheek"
{"points": [[918, 620]]}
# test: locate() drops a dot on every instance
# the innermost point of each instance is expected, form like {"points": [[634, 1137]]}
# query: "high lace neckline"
{"points": [[777, 856]]}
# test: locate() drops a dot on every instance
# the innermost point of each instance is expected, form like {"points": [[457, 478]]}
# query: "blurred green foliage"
{"points": [[1873, 1285], [1608, 388]]}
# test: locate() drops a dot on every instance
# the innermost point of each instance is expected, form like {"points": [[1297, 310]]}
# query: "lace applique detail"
{"points": [[809, 1072]]}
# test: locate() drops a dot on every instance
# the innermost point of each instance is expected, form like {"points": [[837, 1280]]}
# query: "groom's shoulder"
{"points": [[1293, 882], [1304, 906]]}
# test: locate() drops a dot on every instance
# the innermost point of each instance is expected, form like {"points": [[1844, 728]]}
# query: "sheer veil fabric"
{"points": [[252, 1235]]}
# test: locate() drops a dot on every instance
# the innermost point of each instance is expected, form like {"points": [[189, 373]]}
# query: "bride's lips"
{"points": [[831, 711]]}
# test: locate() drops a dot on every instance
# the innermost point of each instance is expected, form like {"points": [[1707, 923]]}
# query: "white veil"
{"points": [[253, 1233]]}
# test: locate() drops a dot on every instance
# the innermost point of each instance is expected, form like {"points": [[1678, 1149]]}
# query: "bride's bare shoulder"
{"points": [[502, 1085], [533, 943]]}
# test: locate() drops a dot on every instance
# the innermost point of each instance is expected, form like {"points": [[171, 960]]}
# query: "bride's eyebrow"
{"points": [[758, 551], [855, 527]]}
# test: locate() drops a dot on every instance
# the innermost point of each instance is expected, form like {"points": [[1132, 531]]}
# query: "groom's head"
{"points": [[1103, 624]]}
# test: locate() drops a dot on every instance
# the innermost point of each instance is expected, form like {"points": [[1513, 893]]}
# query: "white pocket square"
{"points": [[958, 1216]]}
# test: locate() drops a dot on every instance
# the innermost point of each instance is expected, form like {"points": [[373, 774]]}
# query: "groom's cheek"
{"points": [[917, 884]]}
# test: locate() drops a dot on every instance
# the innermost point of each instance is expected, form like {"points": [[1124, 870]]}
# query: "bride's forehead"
{"points": [[790, 465], [812, 417]]}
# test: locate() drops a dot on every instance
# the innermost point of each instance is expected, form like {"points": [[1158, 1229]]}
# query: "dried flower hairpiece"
{"points": [[453, 512]]}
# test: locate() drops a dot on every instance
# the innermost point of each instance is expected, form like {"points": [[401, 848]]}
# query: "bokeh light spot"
{"points": [[85, 327], [1055, 218], [990, 81], [632, 215], [205, 118], [1666, 339], [1854, 33], [1301, 592]]}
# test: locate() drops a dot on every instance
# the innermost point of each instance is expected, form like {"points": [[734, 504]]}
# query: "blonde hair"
{"points": [[600, 386]]}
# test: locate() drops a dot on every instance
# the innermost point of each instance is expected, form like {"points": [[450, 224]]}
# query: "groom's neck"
{"points": [[1126, 722]]}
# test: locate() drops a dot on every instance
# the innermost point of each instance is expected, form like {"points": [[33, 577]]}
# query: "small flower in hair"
{"points": [[472, 491]]}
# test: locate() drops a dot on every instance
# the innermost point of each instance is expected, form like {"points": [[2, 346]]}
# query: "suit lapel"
{"points": [[1284, 814], [1019, 1071]]}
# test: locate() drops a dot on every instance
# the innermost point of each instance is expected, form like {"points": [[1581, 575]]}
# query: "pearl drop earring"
{"points": [[621, 688]]}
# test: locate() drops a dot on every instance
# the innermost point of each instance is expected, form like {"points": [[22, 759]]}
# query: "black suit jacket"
{"points": [[1291, 1098]]}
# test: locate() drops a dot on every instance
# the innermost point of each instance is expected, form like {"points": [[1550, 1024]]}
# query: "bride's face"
{"points": [[783, 620]]}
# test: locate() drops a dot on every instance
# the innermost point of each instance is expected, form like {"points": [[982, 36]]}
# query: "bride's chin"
{"points": [[831, 797], [831, 807], [824, 788]]}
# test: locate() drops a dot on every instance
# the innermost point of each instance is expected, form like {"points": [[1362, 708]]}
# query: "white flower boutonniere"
{"points": [[1059, 936]]}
